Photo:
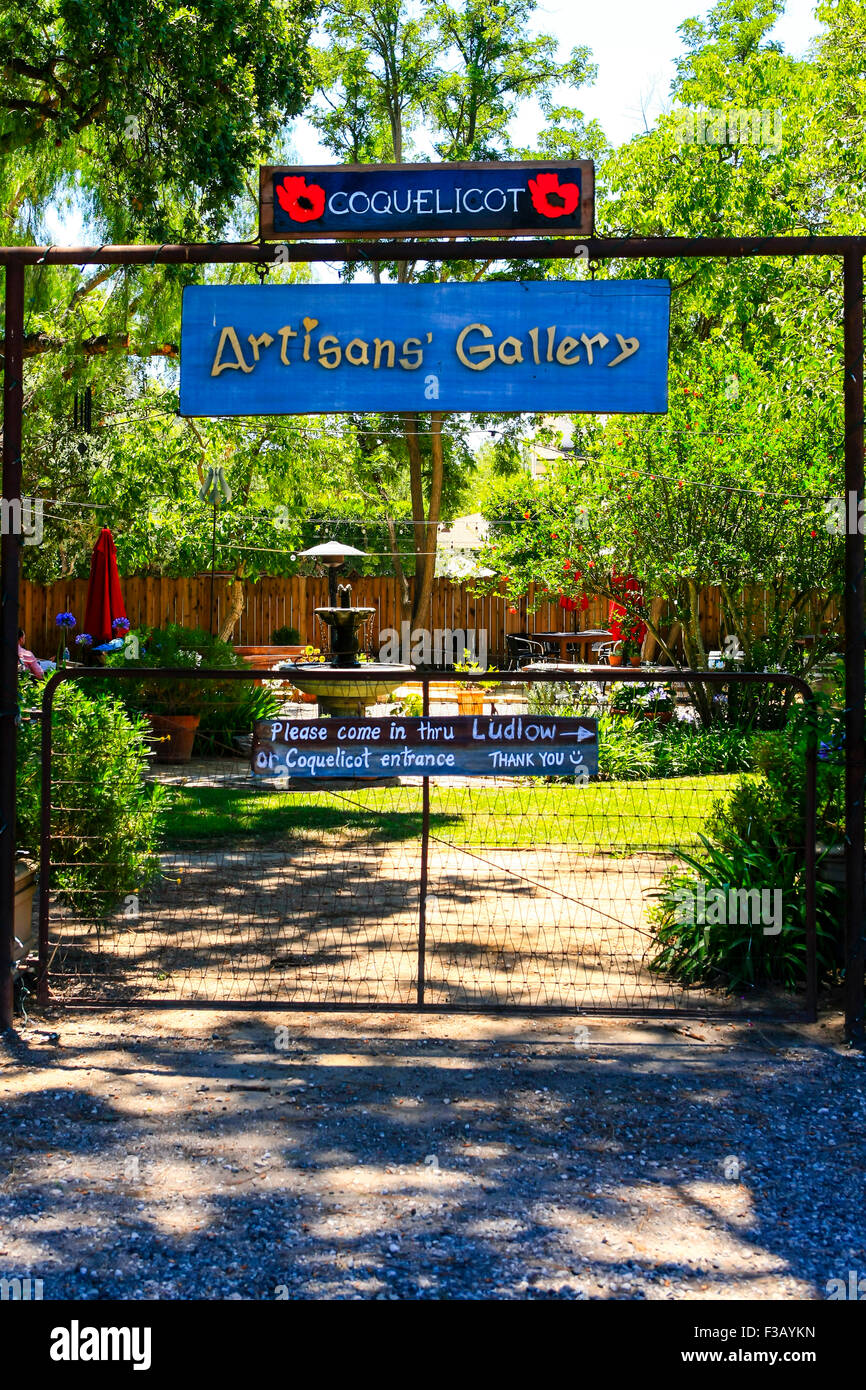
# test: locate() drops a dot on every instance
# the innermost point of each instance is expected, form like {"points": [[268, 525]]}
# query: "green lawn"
{"points": [[620, 816]]}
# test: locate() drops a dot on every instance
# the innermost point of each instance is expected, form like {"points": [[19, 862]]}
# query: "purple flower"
{"points": [[65, 620], [84, 639], [122, 623]]}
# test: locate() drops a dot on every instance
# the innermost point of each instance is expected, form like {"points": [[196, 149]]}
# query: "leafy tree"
{"points": [[150, 116], [703, 172], [155, 110], [141, 472], [728, 489], [396, 80]]}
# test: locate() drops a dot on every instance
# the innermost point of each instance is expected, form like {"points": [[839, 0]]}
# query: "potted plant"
{"points": [[25, 887], [656, 702], [623, 697], [470, 693], [411, 706], [615, 655], [631, 651], [173, 708]]}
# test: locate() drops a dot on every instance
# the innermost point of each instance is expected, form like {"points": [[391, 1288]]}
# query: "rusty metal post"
{"points": [[10, 564], [43, 992], [809, 858], [425, 850], [855, 648]]}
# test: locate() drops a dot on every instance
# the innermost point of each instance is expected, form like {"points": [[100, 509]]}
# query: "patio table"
{"points": [[587, 638]]}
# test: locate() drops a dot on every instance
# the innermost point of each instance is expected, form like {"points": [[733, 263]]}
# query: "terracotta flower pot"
{"points": [[174, 735], [615, 659], [470, 702], [634, 661]]}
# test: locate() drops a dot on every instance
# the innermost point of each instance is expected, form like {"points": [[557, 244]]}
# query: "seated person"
{"points": [[37, 668]]}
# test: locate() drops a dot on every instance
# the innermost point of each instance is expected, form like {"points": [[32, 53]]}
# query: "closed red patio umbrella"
{"points": [[104, 599]]}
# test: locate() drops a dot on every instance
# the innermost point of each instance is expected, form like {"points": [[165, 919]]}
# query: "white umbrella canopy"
{"points": [[329, 550]]}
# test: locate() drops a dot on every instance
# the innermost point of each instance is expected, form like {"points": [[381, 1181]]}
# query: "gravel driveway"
{"points": [[200, 1155]]}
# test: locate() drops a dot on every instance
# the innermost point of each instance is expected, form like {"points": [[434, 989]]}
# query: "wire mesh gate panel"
{"points": [[218, 886]]}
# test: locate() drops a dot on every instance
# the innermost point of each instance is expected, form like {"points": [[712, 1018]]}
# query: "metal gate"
{"points": [[218, 889]]}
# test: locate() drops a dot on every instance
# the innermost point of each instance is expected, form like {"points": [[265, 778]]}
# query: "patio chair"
{"points": [[602, 651], [523, 649]]}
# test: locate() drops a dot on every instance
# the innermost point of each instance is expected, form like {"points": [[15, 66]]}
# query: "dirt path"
{"points": [[339, 924], [194, 1154]]}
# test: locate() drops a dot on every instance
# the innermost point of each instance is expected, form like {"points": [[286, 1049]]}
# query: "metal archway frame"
{"points": [[851, 251]]}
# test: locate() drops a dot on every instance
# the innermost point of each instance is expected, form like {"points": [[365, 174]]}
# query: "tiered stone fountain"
{"points": [[375, 681]]}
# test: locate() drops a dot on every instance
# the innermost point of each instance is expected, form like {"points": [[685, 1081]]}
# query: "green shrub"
{"points": [[692, 947], [627, 748], [564, 698], [755, 840], [639, 697], [176, 647], [286, 637], [688, 750], [776, 798], [233, 711], [632, 747], [105, 816], [410, 707], [225, 708]]}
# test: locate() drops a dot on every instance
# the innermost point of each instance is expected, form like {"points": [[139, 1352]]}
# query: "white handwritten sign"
{"points": [[488, 746]]}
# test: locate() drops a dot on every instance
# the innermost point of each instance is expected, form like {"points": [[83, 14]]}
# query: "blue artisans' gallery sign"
{"points": [[594, 347], [488, 746], [386, 200]]}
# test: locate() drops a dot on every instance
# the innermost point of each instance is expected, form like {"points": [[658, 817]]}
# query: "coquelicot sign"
{"points": [[386, 200]]}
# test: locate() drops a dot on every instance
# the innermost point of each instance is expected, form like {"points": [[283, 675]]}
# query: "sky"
{"points": [[633, 42]]}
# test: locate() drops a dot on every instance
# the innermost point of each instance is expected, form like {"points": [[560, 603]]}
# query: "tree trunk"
{"points": [[425, 571], [423, 518], [404, 596], [738, 622], [651, 641], [237, 599], [696, 656]]}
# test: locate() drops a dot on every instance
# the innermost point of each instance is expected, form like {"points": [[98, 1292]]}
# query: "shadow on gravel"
{"points": [[380, 1158]]}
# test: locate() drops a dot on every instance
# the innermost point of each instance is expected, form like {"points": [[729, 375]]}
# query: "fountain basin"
{"points": [[370, 683]]}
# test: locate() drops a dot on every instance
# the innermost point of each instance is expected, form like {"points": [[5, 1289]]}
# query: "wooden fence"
{"points": [[273, 603]]}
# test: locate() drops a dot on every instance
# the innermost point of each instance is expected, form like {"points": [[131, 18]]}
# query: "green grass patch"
{"points": [[621, 817]]}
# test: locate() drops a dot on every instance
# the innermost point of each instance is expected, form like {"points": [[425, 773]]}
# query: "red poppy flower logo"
{"points": [[303, 201], [552, 198]]}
